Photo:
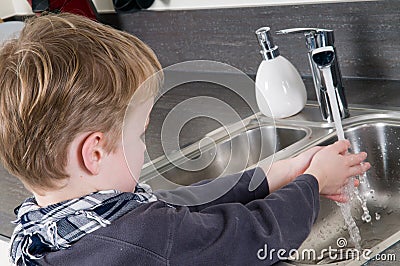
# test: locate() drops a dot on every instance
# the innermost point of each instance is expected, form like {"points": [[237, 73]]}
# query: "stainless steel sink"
{"points": [[380, 138], [226, 156], [375, 131]]}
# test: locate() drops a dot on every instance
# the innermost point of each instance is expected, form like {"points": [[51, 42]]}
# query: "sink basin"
{"points": [[381, 140], [229, 156]]}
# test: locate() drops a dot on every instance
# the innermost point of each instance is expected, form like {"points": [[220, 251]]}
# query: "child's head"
{"points": [[65, 81]]}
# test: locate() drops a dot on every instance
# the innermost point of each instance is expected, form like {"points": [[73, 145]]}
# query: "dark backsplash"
{"points": [[367, 35]]}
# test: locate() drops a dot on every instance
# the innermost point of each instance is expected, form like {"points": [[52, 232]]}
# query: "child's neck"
{"points": [[67, 191]]}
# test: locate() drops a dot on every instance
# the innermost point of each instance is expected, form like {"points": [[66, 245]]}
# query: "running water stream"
{"points": [[350, 190]]}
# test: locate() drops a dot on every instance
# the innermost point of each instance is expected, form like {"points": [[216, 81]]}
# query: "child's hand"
{"points": [[285, 171], [301, 162], [341, 197], [333, 165]]}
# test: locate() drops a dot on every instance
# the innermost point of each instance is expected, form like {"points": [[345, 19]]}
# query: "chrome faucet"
{"points": [[317, 38]]}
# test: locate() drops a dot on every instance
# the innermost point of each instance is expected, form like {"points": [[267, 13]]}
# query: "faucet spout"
{"points": [[318, 38], [324, 57]]}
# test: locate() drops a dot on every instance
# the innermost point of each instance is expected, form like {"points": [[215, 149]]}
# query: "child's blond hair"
{"points": [[63, 76]]}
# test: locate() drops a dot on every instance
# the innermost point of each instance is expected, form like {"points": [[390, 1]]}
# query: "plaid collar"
{"points": [[55, 227]]}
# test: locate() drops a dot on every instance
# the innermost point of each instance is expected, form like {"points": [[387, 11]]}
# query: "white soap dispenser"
{"points": [[280, 91]]}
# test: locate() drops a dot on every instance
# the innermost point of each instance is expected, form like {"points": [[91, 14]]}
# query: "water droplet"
{"points": [[366, 217], [377, 216]]}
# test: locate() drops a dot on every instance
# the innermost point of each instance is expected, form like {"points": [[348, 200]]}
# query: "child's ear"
{"points": [[93, 152]]}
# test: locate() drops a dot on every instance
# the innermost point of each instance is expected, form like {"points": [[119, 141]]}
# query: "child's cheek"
{"points": [[135, 158]]}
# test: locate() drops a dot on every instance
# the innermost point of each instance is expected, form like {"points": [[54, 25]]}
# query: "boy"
{"points": [[65, 84]]}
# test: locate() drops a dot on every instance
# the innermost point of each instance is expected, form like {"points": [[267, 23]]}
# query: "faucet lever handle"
{"points": [[302, 30], [315, 37]]}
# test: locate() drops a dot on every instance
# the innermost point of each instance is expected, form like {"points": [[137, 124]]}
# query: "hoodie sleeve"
{"points": [[247, 234], [227, 189]]}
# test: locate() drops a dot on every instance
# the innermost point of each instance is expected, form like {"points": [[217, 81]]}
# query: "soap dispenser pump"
{"points": [[280, 91]]}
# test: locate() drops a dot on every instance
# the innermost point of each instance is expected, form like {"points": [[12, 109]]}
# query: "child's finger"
{"points": [[339, 196], [314, 150], [340, 190], [354, 159], [309, 154], [340, 146], [356, 182], [342, 198], [359, 169]]}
